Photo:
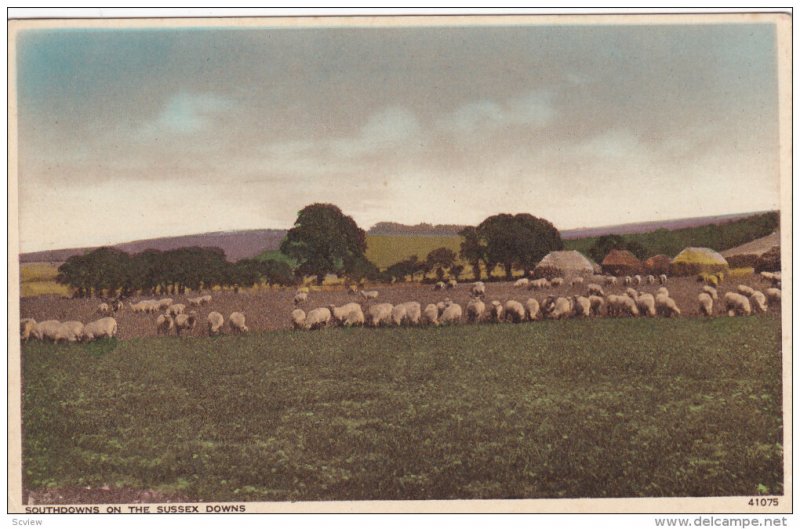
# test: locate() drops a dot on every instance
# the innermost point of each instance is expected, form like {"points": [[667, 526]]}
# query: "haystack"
{"points": [[747, 254], [621, 263], [693, 261], [657, 265], [563, 264]]}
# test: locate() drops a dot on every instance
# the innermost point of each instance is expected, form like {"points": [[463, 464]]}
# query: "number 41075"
{"points": [[763, 502]]}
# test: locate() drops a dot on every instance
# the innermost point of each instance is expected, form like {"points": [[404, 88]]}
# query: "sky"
{"points": [[130, 134]]}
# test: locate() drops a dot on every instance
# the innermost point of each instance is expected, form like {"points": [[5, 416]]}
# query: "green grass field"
{"points": [[601, 408], [385, 250]]}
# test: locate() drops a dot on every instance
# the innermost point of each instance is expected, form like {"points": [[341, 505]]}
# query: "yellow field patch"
{"points": [[385, 250]]}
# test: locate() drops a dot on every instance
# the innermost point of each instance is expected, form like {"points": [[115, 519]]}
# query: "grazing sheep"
{"points": [[582, 306], [46, 330], [557, 281], [369, 294], [627, 281], [759, 302], [398, 314], [514, 310], [452, 314], [69, 331], [737, 305], [26, 326], [521, 283], [637, 280], [215, 323], [767, 276], [340, 314], [646, 304], [478, 289], [164, 303], [597, 303], [186, 322], [164, 324], [117, 305], [711, 291], [774, 296], [354, 318], [206, 299], [430, 315], [532, 309], [195, 302], [595, 290], [662, 279], [352, 289], [413, 313], [631, 293], [380, 314], [175, 309], [475, 310], [496, 312], [439, 285], [663, 290], [236, 322], [138, 307], [613, 306], [666, 306], [103, 308], [538, 284], [706, 303], [610, 281], [452, 283], [576, 281], [650, 280], [102, 328], [560, 308], [300, 297], [298, 318], [745, 290], [628, 306]]}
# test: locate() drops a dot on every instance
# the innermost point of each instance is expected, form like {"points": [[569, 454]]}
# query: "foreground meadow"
{"points": [[599, 408]]}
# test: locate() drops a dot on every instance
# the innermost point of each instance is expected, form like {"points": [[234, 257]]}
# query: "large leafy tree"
{"points": [[325, 241], [517, 240], [440, 259], [472, 250]]}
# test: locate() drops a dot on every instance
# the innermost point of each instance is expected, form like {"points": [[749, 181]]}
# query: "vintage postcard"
{"points": [[389, 264]]}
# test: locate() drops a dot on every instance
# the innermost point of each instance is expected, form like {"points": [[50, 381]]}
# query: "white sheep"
{"points": [[164, 324], [215, 323], [413, 313], [46, 330], [557, 281], [430, 315], [628, 306], [666, 306], [379, 314], [300, 297], [478, 289], [298, 318], [650, 279], [452, 283], [514, 310], [538, 284], [195, 302], [662, 279], [593, 289], [369, 294], [646, 304], [186, 322], [627, 281], [631, 293], [496, 312], [664, 291], [103, 308], [354, 318], [206, 299], [164, 303], [452, 314], [560, 308], [102, 328], [736, 304], [69, 331], [758, 301], [706, 303], [597, 304], [236, 322], [398, 314], [521, 283], [774, 296], [175, 309], [745, 290], [532, 309], [340, 314], [26, 326], [637, 280], [576, 281], [711, 291], [582, 306], [610, 281]]}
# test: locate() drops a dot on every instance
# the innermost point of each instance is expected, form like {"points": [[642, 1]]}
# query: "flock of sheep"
{"points": [[67, 331], [594, 302]]}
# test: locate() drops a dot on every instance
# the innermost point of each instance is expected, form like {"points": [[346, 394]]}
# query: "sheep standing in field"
{"points": [[759, 302], [117, 305], [665, 292], [104, 308], [496, 312], [666, 306], [413, 313], [706, 303], [637, 280], [175, 309], [595, 290], [298, 318], [46, 330], [627, 281], [662, 279], [736, 304], [300, 297], [439, 285], [164, 324], [521, 283], [557, 281], [515, 312], [538, 284], [452, 283], [646, 304], [711, 291], [631, 293], [339, 314], [69, 331], [186, 322], [452, 314], [26, 326], [650, 279], [558, 308], [379, 314], [164, 303], [745, 290], [628, 306], [354, 318], [398, 314], [576, 281], [582, 306], [774, 296], [195, 302], [369, 294], [766, 276], [478, 289], [610, 281], [613, 305], [215, 323], [475, 310], [430, 315], [596, 304], [206, 299], [236, 322], [102, 328], [532, 309]]}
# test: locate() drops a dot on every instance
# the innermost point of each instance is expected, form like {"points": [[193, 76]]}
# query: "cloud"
{"points": [[186, 113], [389, 128], [482, 117]]}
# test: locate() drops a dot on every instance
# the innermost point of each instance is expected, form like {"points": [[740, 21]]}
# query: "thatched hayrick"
{"points": [[748, 254], [621, 263], [769, 261], [657, 265], [693, 261], [564, 264]]}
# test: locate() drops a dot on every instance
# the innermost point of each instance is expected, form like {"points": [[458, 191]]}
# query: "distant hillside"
{"points": [[395, 228], [236, 244]]}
